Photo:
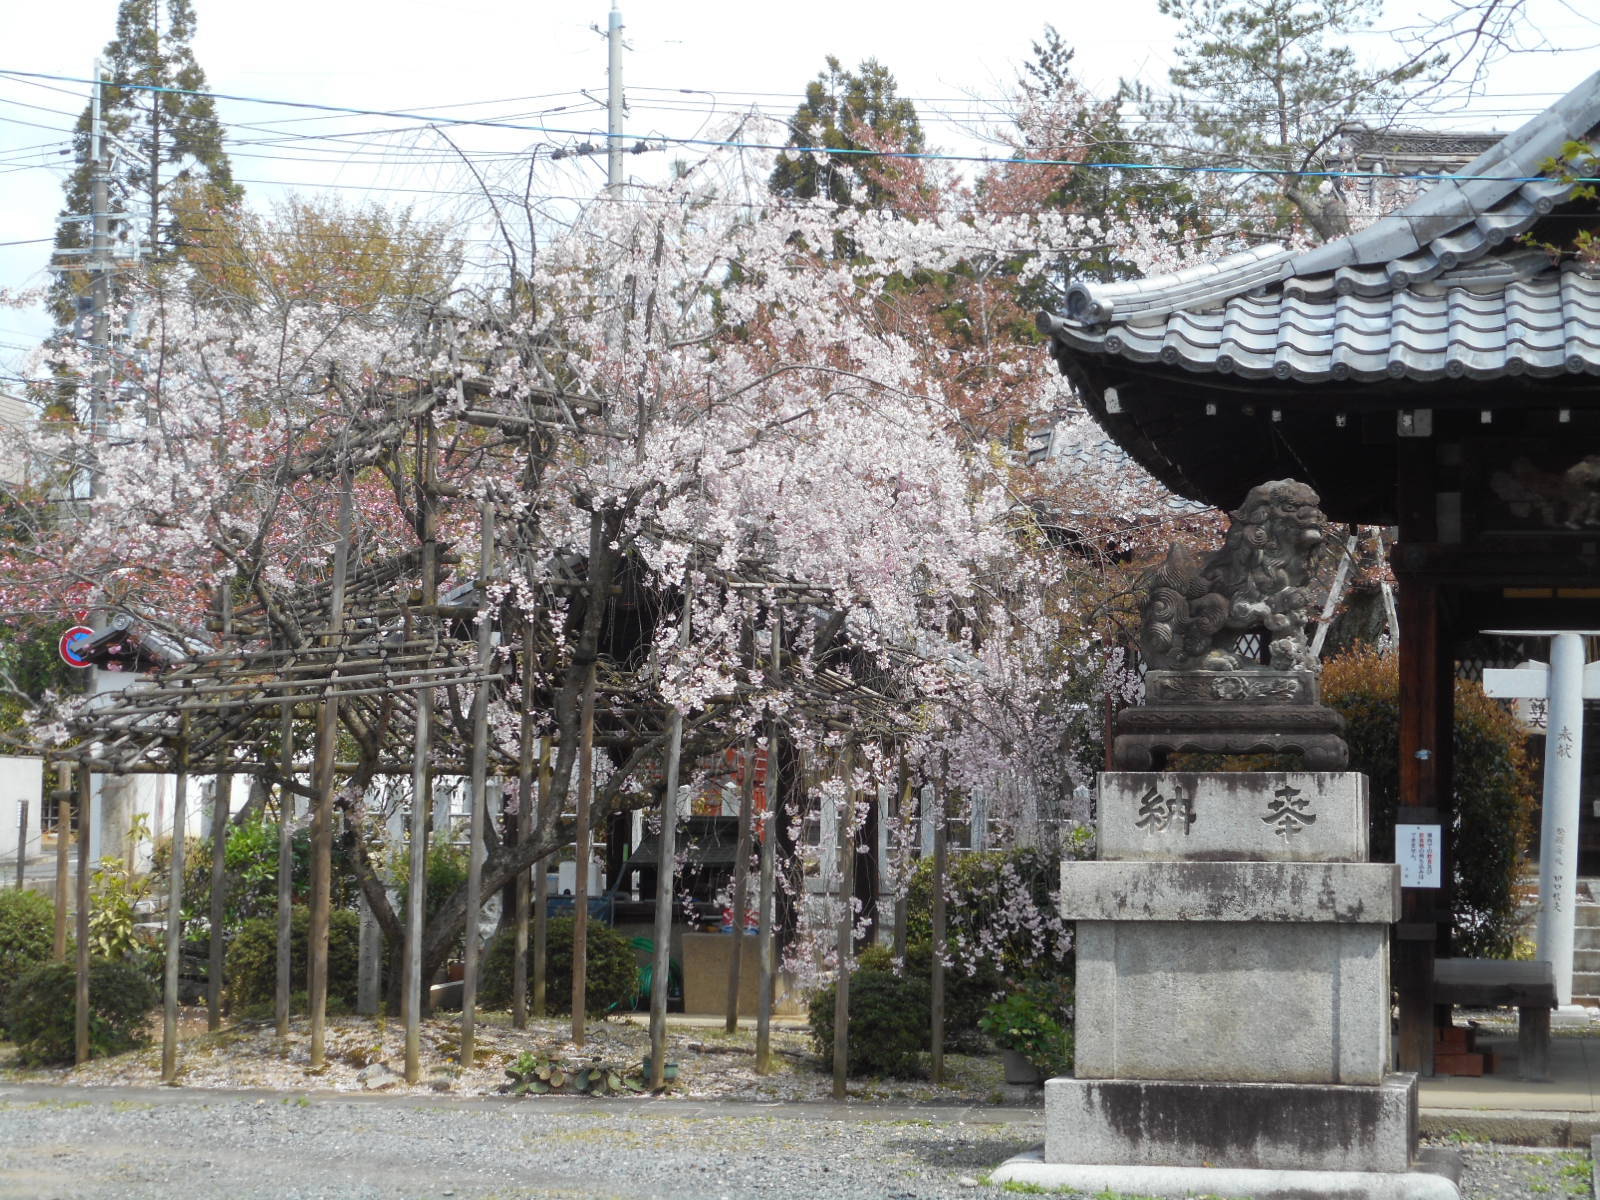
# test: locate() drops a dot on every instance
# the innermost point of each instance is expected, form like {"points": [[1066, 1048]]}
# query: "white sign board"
{"points": [[1417, 850]]}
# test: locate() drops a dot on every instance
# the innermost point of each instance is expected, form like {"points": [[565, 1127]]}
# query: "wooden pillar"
{"points": [[1426, 704]]}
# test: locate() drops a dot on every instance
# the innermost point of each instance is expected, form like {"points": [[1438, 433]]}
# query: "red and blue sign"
{"points": [[75, 645]]}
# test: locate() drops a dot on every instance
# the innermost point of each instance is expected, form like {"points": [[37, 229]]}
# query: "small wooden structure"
{"points": [[1438, 371]]}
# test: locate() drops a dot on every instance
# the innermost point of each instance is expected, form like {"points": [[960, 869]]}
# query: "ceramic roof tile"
{"points": [[1437, 288]]}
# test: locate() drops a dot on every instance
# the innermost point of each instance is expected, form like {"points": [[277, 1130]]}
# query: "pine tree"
{"points": [[852, 111], [157, 141], [1269, 83]]}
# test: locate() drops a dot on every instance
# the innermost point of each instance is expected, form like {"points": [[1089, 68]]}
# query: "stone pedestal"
{"points": [[1232, 994]]}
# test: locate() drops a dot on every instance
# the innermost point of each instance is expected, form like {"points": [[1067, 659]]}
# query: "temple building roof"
{"points": [[1446, 289]]}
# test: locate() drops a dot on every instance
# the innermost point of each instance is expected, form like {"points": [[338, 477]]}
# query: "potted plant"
{"points": [[1026, 1024]]}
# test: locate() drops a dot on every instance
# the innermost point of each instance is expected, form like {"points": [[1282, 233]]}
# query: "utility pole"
{"points": [[614, 99]]}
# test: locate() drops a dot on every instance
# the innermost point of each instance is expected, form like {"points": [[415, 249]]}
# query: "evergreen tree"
{"points": [[850, 111], [157, 141], [1057, 121], [1268, 83]]}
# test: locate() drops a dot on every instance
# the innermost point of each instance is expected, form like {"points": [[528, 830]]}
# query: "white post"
{"points": [[1558, 841], [1564, 686]]}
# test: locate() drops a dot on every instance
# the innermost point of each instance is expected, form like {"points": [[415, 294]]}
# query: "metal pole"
{"points": [[769, 838], [81, 995], [169, 1004], [480, 760], [22, 840]]}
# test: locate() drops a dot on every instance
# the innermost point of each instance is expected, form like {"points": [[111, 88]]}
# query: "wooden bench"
{"points": [[1496, 983]]}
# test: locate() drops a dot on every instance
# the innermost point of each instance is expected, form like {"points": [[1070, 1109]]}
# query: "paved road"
{"points": [[144, 1144]]}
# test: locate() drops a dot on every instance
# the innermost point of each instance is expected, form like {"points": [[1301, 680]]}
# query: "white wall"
{"points": [[20, 779]]}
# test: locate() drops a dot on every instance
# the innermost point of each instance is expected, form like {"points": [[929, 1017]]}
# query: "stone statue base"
{"points": [[1229, 712]]}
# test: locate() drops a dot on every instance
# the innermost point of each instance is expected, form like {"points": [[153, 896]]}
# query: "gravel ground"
{"points": [[104, 1132], [63, 1143]]}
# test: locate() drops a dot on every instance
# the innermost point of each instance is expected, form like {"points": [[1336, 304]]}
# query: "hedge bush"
{"points": [[888, 1023], [967, 992], [611, 974], [42, 1014], [251, 967], [1492, 826], [27, 929]]}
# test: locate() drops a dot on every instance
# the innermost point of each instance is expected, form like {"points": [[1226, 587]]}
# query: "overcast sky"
{"points": [[541, 64]]}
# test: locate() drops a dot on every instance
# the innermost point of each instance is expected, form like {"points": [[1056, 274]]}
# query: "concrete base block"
{"points": [[1284, 1003], [1247, 1126], [1031, 1169]]}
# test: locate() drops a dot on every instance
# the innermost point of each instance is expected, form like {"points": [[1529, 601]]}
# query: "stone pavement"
{"points": [[1500, 1107]]}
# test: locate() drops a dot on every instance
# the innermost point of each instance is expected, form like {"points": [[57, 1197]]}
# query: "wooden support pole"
{"points": [[411, 997], [322, 776], [666, 853], [169, 1003], [940, 864], [541, 888], [480, 801], [220, 803], [58, 947], [905, 815], [219, 876], [769, 840], [580, 885], [741, 881], [286, 802], [81, 992], [844, 937], [524, 825]]}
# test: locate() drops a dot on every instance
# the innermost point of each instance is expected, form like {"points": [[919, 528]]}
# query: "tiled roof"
{"points": [[1440, 288]]}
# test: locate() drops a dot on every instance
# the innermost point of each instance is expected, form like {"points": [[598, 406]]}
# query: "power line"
{"points": [[848, 152]]}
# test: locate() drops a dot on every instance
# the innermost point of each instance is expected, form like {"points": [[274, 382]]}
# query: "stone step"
{"points": [[1586, 937], [1585, 984]]}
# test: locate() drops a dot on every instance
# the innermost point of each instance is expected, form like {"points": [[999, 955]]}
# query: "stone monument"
{"points": [[1232, 1001]]}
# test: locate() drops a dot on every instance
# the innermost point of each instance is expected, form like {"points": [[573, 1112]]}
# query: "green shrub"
{"points": [[611, 974], [1494, 796], [251, 968], [27, 929], [42, 1016], [968, 989], [888, 1023], [445, 873], [1034, 1022]]}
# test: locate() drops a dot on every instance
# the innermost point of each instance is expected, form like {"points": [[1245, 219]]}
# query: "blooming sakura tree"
{"points": [[690, 408]]}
